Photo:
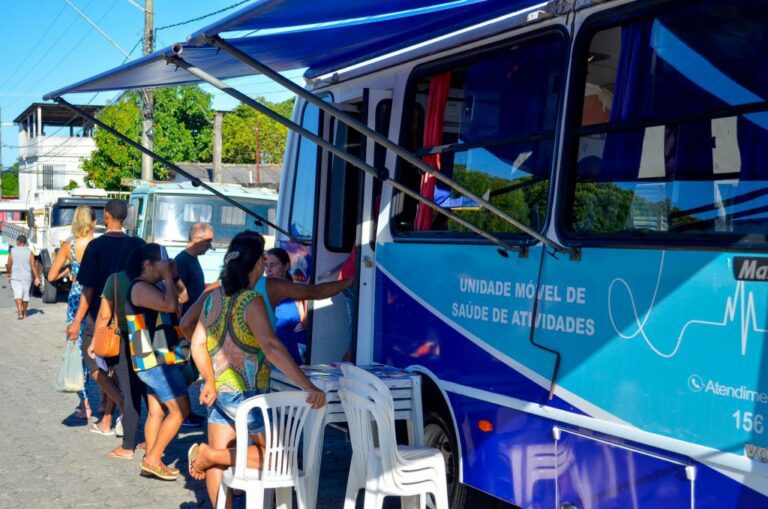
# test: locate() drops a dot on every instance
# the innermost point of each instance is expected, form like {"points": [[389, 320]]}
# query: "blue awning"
{"points": [[292, 34]]}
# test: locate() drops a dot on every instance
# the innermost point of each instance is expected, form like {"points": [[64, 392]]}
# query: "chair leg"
{"points": [[284, 498], [254, 499], [412, 502], [353, 488], [221, 499]]}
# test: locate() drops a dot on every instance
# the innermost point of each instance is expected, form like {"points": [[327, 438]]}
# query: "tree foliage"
{"points": [[239, 134], [10, 182], [182, 132]]}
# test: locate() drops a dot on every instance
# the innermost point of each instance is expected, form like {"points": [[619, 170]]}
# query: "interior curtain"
{"points": [[439, 86]]}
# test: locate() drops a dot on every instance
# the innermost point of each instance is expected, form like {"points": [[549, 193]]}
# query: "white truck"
{"points": [[47, 226]]}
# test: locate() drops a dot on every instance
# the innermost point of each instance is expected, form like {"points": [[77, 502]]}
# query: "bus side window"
{"points": [[488, 122], [302, 220], [674, 125], [344, 182]]}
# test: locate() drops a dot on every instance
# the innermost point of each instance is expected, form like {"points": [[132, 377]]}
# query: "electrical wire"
{"points": [[181, 23]]}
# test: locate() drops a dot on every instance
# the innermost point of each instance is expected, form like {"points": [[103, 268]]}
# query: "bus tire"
{"points": [[50, 290], [439, 433]]}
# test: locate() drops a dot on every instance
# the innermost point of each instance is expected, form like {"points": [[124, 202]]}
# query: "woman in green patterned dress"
{"points": [[233, 346]]}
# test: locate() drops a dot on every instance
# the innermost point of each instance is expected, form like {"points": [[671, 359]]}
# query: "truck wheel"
{"points": [[438, 433], [50, 291]]}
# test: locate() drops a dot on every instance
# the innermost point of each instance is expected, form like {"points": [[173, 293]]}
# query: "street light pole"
{"points": [[147, 96]]}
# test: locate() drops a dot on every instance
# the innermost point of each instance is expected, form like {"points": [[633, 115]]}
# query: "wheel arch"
{"points": [[433, 396]]}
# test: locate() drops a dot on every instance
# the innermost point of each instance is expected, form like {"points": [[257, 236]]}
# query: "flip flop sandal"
{"points": [[192, 456], [94, 428], [112, 454], [158, 472]]}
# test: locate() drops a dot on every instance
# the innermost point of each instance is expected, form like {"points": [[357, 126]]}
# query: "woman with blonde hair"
{"points": [[68, 261]]}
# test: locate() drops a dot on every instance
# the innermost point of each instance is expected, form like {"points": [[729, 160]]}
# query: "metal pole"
{"points": [[147, 97], [257, 156], [217, 123], [195, 181], [381, 174], [220, 43]]}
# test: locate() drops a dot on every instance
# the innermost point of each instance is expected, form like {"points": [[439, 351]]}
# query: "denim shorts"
{"points": [[224, 409], [164, 381]]}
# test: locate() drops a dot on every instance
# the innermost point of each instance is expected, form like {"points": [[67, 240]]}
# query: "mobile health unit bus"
{"points": [[560, 223]]}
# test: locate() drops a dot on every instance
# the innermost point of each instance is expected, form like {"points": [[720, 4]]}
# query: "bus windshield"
{"points": [[173, 215]]}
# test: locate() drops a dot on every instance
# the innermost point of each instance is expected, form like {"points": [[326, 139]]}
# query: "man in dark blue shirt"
{"points": [[187, 264], [191, 274]]}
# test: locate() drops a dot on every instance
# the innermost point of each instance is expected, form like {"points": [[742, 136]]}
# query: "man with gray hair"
{"points": [[191, 274], [187, 264]]}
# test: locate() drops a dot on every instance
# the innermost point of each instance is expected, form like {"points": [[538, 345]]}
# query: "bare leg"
{"points": [[177, 410], [105, 424], [155, 416], [24, 306], [19, 309], [108, 386], [220, 436]]}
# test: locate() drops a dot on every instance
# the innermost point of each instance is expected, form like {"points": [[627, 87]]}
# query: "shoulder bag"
{"points": [[106, 340]]}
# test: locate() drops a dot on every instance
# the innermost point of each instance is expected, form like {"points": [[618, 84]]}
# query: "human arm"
{"points": [[202, 359], [33, 266], [181, 289], [148, 296], [102, 319], [56, 271], [190, 318], [86, 297], [279, 289], [277, 354], [9, 264]]}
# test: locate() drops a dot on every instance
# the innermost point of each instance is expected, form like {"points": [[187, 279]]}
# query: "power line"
{"points": [[29, 54], [202, 17]]}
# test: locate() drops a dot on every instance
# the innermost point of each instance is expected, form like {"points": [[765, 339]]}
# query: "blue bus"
{"points": [[626, 371], [560, 224]]}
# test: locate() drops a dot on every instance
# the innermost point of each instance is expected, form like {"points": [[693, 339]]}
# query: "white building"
{"points": [[53, 141]]}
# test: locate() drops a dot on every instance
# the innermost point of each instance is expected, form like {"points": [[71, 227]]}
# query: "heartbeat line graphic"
{"points": [[741, 302]]}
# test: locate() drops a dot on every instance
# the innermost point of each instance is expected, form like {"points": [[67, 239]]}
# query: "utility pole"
{"points": [[147, 96], [217, 123], [258, 153]]}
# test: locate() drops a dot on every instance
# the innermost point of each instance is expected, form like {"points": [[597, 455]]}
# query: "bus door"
{"points": [[337, 239]]}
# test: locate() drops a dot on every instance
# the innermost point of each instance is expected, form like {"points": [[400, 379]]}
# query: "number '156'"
{"points": [[749, 421]]}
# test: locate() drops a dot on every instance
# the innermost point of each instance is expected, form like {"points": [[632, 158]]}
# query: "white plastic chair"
{"points": [[285, 414], [385, 469]]}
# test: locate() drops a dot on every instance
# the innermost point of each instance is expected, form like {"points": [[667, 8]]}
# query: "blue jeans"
{"points": [[164, 381], [224, 409]]}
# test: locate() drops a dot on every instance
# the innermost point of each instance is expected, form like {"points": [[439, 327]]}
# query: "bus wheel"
{"points": [[438, 433]]}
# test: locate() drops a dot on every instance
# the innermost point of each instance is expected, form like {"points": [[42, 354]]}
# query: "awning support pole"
{"points": [[195, 181], [221, 44], [381, 174]]}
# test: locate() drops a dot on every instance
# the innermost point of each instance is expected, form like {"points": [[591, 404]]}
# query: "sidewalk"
{"points": [[49, 459]]}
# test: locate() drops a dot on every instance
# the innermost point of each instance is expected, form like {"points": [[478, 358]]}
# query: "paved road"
{"points": [[49, 459]]}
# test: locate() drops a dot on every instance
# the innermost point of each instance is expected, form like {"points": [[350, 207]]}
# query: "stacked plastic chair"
{"points": [[379, 465], [285, 415]]}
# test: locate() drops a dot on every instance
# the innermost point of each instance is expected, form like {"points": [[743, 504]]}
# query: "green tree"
{"points": [[10, 181], [182, 132], [239, 134]]}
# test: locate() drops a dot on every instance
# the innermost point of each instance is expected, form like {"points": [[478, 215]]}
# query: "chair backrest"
{"points": [[285, 414], [363, 376], [364, 405]]}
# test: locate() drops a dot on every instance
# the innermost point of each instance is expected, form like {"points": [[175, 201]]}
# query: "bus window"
{"points": [[488, 122], [344, 181], [674, 125], [302, 222]]}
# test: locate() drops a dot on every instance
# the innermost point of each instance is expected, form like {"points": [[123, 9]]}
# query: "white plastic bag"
{"points": [[71, 378]]}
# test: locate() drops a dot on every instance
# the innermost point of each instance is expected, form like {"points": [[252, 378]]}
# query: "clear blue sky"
{"points": [[47, 45]]}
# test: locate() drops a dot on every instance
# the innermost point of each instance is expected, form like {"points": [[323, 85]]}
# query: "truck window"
{"points": [[487, 121], [671, 140]]}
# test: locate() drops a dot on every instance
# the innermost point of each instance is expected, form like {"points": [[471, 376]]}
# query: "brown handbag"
{"points": [[106, 340]]}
